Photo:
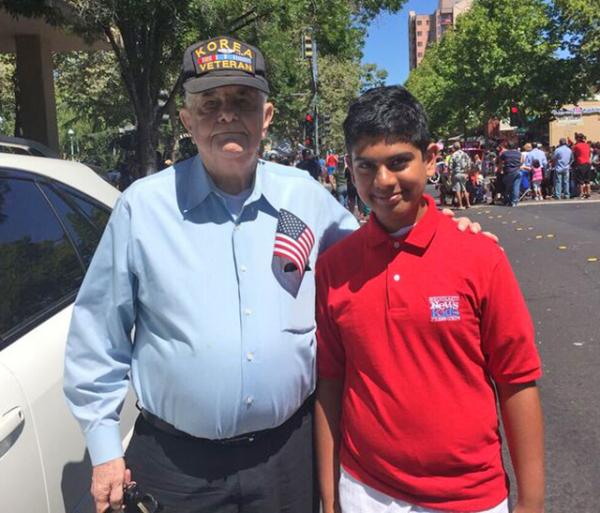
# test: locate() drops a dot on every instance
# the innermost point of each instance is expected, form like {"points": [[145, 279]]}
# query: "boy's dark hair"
{"points": [[388, 112], [536, 163]]}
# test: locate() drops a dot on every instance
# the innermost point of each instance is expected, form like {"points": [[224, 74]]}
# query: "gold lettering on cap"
{"points": [[210, 65], [237, 47], [212, 46], [199, 52], [248, 52], [224, 43], [226, 64]]}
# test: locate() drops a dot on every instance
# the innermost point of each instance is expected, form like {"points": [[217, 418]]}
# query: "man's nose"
{"points": [[228, 112]]}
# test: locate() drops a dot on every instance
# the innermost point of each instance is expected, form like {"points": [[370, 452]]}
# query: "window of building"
{"points": [[419, 33], [420, 43], [419, 22], [420, 54]]}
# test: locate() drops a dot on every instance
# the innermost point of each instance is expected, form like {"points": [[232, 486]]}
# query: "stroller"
{"points": [[525, 184], [475, 188]]}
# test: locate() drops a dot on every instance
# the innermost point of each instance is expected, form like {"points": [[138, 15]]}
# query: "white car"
{"points": [[52, 214]]}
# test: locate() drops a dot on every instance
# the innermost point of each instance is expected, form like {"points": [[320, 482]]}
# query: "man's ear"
{"points": [[184, 116], [268, 112]]}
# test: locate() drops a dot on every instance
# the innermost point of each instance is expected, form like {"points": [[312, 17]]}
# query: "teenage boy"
{"points": [[418, 326]]}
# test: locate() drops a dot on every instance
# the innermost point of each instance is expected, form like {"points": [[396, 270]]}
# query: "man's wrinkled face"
{"points": [[227, 123]]}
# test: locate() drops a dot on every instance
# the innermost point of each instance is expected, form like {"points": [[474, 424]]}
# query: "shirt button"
{"points": [[243, 268], [396, 277], [250, 357], [247, 311], [249, 400], [396, 244]]}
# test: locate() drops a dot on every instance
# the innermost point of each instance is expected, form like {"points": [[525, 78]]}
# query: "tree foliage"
{"points": [[7, 94], [499, 53], [148, 37], [578, 26]]}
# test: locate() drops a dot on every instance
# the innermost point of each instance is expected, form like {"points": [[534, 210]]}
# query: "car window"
{"points": [[82, 231], [97, 214], [39, 268]]}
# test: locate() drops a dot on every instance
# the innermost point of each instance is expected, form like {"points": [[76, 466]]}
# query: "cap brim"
{"points": [[200, 84]]}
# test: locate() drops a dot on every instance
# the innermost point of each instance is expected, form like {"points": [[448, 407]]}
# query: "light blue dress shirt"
{"points": [[220, 348], [536, 154], [563, 157]]}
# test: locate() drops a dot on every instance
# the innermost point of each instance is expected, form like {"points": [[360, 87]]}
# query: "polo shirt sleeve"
{"points": [[330, 351], [507, 332], [99, 348]]}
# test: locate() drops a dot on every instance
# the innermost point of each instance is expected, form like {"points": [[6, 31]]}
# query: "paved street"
{"points": [[549, 245]]}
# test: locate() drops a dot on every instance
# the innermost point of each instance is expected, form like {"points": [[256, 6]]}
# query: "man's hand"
{"points": [[465, 222], [108, 481]]}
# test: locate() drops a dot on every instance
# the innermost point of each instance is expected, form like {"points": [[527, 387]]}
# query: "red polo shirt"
{"points": [[417, 330], [582, 152]]}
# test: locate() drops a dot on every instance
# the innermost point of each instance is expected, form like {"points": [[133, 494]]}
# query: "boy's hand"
{"points": [[465, 222]]}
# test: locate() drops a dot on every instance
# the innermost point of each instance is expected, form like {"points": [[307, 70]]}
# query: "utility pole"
{"points": [[309, 51]]}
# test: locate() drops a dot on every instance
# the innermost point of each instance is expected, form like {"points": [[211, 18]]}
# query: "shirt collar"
{"points": [[196, 185], [420, 236]]}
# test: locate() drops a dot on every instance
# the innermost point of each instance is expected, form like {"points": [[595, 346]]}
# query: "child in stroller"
{"points": [[475, 187]]}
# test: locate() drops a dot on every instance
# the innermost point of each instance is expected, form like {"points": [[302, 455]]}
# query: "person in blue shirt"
{"points": [[562, 159], [201, 294]]}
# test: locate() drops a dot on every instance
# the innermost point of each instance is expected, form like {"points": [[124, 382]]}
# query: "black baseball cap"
{"points": [[223, 61]]}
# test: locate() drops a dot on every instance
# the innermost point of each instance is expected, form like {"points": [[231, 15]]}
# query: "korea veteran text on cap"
{"points": [[223, 61]]}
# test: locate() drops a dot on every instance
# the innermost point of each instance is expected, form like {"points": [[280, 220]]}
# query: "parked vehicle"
{"points": [[52, 214]]}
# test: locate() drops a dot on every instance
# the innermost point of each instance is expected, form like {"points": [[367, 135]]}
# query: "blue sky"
{"points": [[387, 40]]}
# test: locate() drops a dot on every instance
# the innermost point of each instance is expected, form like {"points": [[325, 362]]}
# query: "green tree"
{"points": [[578, 25], [148, 38], [372, 76], [7, 94], [499, 53]]}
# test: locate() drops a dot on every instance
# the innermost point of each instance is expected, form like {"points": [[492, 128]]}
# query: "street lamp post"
{"points": [[71, 133]]}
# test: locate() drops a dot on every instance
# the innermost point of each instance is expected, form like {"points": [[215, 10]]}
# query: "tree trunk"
{"points": [[146, 144]]}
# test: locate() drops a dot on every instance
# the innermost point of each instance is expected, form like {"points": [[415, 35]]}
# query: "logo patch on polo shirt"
{"points": [[444, 308]]}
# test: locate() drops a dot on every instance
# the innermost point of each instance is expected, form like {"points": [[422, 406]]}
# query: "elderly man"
{"points": [[212, 262]]}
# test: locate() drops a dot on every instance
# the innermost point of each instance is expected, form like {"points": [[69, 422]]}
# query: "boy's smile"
{"points": [[390, 178]]}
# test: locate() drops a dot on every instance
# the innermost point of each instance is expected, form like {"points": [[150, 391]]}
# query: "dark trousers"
{"points": [[273, 474]]}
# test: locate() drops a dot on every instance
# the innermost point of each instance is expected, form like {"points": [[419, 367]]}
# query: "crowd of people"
{"points": [[333, 173], [502, 173], [506, 174]]}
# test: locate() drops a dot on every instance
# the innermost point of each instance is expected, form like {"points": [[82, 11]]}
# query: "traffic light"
{"points": [[325, 124], [515, 115], [309, 129], [307, 45]]}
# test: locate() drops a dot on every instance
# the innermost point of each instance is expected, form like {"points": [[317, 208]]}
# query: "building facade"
{"points": [[424, 29], [583, 118]]}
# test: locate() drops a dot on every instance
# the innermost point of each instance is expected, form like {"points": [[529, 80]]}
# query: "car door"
{"points": [[28, 246], [21, 476], [41, 274]]}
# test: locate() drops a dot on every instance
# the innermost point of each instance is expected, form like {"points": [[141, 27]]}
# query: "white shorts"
{"points": [[356, 497]]}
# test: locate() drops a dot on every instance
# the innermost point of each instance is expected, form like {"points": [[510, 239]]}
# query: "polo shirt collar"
{"points": [[420, 236], [197, 185]]}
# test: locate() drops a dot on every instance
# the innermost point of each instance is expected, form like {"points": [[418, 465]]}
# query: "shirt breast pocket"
{"points": [[297, 314]]}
